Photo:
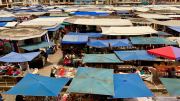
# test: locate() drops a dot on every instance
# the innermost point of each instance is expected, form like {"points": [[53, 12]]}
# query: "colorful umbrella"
{"points": [[169, 52]]}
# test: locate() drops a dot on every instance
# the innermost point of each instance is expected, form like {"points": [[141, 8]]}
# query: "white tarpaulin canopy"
{"points": [[51, 19], [6, 14], [165, 8], [122, 8], [33, 23], [44, 21], [166, 23], [21, 33], [133, 30], [154, 16], [141, 9], [173, 16], [101, 22]]}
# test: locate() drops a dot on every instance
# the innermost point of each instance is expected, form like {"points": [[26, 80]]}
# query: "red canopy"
{"points": [[167, 52]]}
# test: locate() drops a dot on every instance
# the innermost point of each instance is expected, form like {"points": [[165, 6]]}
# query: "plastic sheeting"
{"points": [[35, 85], [130, 86], [101, 58], [172, 85], [175, 28], [151, 41], [19, 57], [135, 55], [37, 46], [75, 39], [87, 13], [93, 81], [90, 34], [109, 43], [167, 52]]}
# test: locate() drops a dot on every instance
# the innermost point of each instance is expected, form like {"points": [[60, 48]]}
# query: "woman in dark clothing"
{"points": [[19, 98], [1, 98]]}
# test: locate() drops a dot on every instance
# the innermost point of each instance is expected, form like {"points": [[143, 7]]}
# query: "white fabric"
{"points": [[50, 21], [6, 14], [70, 9], [33, 23], [139, 99], [165, 8], [166, 23], [122, 8], [163, 98], [141, 9], [2, 28], [21, 33], [55, 10], [134, 30], [175, 39], [101, 22], [154, 16], [173, 16], [11, 24], [32, 13]]}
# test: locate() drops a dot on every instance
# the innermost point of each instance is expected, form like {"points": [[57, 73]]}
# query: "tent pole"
{"points": [[28, 67]]}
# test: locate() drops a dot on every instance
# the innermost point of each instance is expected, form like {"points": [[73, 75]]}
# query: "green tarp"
{"points": [[65, 23], [160, 33], [172, 85], [37, 46], [151, 41], [101, 58], [93, 81]]}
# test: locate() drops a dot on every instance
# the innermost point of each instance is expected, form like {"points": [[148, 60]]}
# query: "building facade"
{"points": [[9, 3]]}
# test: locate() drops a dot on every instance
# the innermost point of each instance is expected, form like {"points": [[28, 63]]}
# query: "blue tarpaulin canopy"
{"points": [[75, 39], [35, 85], [93, 81], [6, 19], [109, 43], [135, 55], [37, 46], [89, 13], [101, 58], [151, 41], [130, 86], [90, 35], [172, 85], [175, 28], [2, 24], [19, 57], [98, 44]]}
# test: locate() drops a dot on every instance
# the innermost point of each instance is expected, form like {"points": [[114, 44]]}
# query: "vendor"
{"points": [[53, 71], [44, 54]]}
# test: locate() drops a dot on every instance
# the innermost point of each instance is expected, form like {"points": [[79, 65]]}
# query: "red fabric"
{"points": [[166, 52], [9, 71], [1, 43], [62, 72], [66, 61]]}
